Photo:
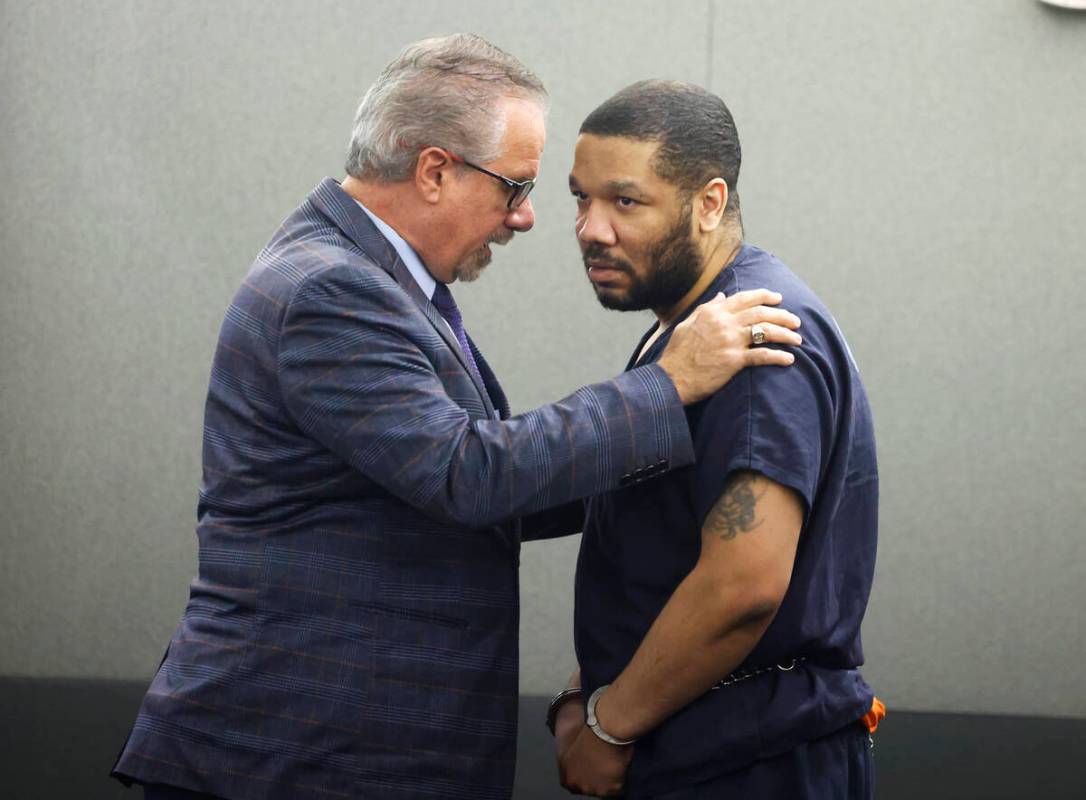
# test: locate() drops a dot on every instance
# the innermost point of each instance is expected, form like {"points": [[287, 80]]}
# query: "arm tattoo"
{"points": [[734, 511]]}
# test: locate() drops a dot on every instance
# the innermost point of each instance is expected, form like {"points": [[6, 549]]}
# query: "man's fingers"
{"points": [[777, 334], [762, 314], [767, 357], [751, 297]]}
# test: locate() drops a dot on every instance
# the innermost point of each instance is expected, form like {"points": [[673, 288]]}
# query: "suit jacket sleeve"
{"points": [[355, 371]]}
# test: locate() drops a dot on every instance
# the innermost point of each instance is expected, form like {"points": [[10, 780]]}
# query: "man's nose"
{"points": [[521, 218], [593, 228]]}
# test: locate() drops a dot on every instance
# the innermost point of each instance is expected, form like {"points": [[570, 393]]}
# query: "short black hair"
{"points": [[696, 132]]}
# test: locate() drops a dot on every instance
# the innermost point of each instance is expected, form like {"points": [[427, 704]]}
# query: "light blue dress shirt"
{"points": [[407, 254], [411, 260]]}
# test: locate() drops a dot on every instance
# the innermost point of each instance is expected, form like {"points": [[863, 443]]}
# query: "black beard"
{"points": [[674, 268]]}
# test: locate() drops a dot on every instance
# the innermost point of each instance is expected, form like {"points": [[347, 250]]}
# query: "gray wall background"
{"points": [[921, 162]]}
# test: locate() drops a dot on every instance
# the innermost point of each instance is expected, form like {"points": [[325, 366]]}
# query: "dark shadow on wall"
{"points": [[59, 738]]}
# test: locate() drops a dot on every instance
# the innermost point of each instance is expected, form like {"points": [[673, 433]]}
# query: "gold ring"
{"points": [[757, 334]]}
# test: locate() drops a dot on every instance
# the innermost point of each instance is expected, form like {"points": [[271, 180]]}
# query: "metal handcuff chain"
{"points": [[743, 675]]}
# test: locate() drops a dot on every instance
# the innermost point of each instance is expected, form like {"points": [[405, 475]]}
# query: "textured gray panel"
{"points": [[149, 150], [919, 162]]}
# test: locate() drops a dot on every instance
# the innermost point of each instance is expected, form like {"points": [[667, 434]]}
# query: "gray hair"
{"points": [[437, 92]]}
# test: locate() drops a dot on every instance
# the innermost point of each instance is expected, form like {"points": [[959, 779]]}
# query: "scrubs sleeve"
{"points": [[773, 420]]}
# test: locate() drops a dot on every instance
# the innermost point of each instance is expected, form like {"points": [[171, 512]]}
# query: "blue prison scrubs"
{"points": [[807, 427]]}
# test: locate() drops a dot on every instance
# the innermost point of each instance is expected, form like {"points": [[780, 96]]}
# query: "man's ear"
{"points": [[709, 204], [432, 171]]}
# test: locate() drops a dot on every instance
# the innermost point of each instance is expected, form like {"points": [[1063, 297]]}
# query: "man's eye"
{"points": [[580, 196], [626, 202]]}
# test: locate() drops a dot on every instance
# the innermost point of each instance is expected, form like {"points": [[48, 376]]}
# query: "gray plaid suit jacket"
{"points": [[352, 631]]}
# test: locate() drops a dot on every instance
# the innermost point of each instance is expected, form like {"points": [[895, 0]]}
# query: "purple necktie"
{"points": [[445, 304]]}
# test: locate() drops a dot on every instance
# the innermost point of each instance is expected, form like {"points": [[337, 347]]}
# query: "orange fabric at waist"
{"points": [[873, 717]]}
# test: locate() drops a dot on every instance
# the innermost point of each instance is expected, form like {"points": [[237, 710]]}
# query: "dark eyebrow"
{"points": [[613, 187], [623, 187]]}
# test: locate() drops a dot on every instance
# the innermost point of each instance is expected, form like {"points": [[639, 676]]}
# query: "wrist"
{"points": [[592, 720], [558, 701], [674, 375]]}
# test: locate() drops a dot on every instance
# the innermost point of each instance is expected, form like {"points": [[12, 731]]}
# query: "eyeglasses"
{"points": [[518, 190]]}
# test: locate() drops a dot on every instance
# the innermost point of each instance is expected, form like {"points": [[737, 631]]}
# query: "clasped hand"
{"points": [[587, 764]]}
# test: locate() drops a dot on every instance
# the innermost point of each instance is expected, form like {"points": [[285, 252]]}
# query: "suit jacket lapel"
{"points": [[344, 212]]}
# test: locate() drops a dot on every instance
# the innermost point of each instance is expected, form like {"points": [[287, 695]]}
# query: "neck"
{"points": [[718, 259], [393, 204]]}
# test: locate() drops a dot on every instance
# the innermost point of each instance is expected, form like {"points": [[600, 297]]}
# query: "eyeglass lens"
{"points": [[520, 194]]}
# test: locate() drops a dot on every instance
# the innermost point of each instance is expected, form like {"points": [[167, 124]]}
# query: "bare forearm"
{"points": [[699, 637], [719, 612]]}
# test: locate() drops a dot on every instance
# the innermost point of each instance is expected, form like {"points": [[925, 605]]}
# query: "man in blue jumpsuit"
{"points": [[718, 607]]}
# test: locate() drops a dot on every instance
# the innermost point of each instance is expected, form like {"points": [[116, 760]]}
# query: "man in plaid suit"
{"points": [[352, 631]]}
